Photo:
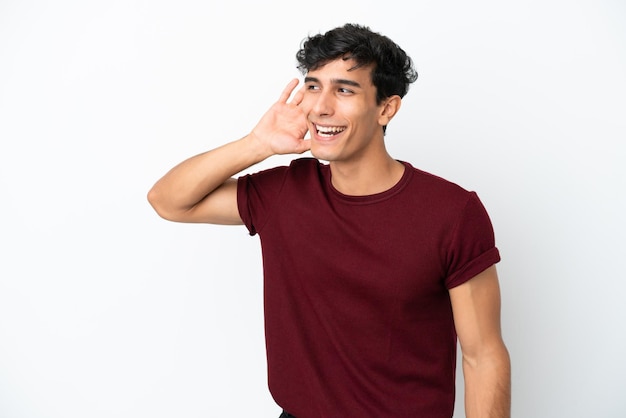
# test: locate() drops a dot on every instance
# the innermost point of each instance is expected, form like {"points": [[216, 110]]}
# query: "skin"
{"points": [[486, 363], [203, 189], [335, 96]]}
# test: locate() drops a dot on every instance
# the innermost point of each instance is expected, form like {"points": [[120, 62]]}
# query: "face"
{"points": [[344, 120]]}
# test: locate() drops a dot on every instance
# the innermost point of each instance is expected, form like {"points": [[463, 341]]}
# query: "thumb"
{"points": [[303, 146]]}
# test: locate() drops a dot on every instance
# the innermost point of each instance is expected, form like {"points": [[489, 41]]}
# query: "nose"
{"points": [[323, 103]]}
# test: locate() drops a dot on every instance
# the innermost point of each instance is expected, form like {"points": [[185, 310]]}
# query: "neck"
{"points": [[361, 179]]}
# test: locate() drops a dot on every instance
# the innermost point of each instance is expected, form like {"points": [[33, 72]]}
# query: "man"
{"points": [[372, 267]]}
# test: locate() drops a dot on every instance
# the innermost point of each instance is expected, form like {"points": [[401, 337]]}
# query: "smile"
{"points": [[329, 131]]}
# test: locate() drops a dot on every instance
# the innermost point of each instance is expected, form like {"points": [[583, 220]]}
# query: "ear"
{"points": [[389, 108]]}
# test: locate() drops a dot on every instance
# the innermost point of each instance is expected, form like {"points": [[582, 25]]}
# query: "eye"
{"points": [[344, 90], [312, 87]]}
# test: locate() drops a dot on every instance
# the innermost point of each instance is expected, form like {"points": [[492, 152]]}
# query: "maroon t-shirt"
{"points": [[358, 318]]}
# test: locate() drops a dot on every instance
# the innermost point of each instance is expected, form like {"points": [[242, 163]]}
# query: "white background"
{"points": [[107, 310]]}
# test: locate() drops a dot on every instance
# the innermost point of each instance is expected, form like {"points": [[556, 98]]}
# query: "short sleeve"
{"points": [[256, 195], [472, 247]]}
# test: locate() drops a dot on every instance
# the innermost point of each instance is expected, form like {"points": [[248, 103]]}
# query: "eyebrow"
{"points": [[333, 81]]}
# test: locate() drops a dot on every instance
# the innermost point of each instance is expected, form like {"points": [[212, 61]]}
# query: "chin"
{"points": [[321, 155], [327, 152]]}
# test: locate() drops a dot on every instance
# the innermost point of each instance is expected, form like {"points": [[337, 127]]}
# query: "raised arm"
{"points": [[202, 188], [486, 364]]}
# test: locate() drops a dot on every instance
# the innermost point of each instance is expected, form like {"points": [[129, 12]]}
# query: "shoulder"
{"points": [[306, 164], [303, 164], [306, 169], [436, 187], [296, 171]]}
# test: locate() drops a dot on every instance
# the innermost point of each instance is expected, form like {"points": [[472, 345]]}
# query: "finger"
{"points": [[297, 98], [287, 91]]}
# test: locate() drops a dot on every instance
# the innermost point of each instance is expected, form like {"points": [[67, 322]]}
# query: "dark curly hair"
{"points": [[392, 71]]}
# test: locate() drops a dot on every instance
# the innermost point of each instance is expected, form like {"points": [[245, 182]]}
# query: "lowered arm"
{"points": [[486, 363]]}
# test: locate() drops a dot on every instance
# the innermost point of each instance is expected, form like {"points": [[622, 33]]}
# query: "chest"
{"points": [[392, 252]]}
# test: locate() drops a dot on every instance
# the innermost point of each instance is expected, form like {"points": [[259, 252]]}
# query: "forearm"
{"points": [[488, 385], [189, 182], [199, 190]]}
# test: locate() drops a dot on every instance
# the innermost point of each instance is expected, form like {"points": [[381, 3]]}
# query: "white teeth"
{"points": [[329, 129]]}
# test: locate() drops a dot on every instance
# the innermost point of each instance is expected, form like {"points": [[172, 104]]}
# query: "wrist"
{"points": [[258, 150]]}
